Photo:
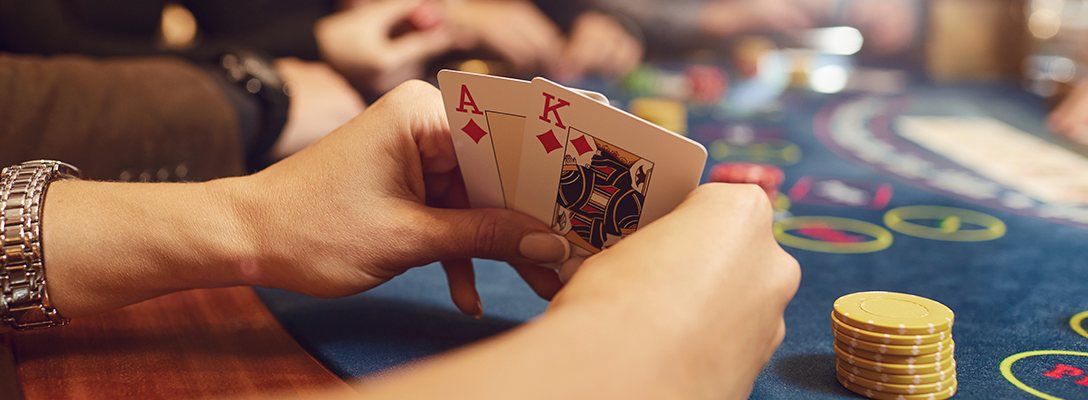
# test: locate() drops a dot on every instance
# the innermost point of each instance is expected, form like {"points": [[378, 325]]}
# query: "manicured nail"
{"points": [[479, 309], [544, 247]]}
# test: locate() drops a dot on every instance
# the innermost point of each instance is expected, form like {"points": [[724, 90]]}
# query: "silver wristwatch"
{"points": [[24, 302]]}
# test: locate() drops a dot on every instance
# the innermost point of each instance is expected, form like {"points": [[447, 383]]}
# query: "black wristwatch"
{"points": [[256, 75]]}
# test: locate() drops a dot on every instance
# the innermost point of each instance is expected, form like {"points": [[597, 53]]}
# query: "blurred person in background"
{"points": [[321, 50], [888, 25], [1070, 118]]}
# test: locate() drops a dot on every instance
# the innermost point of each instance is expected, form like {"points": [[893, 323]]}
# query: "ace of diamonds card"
{"points": [[486, 125], [596, 173]]}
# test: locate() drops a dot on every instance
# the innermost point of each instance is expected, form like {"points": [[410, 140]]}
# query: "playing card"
{"points": [[486, 124], [596, 173]]}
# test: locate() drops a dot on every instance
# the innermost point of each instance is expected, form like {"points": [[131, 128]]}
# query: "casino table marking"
{"points": [[951, 227], [846, 128], [832, 234], [775, 152], [1075, 323], [1007, 363]]}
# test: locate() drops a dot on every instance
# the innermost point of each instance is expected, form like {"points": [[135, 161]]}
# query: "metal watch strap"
{"points": [[24, 302]]}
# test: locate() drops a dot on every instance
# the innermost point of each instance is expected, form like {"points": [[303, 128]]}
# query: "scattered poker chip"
{"points": [[909, 388], [708, 83], [897, 369], [888, 338], [890, 349], [666, 113], [878, 395], [919, 359], [767, 177], [916, 379], [894, 313]]}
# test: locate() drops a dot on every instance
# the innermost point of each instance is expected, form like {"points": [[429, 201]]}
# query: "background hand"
{"points": [[514, 29], [597, 43], [1070, 118], [359, 43], [321, 101]]}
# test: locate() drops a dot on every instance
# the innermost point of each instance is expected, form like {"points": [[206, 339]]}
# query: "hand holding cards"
{"points": [[594, 173]]}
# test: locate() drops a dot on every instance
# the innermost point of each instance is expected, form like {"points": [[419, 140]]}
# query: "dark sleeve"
{"points": [[278, 28], [109, 28], [139, 118]]}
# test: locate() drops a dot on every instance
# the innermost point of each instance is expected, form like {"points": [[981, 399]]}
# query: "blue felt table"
{"points": [[1014, 297]]}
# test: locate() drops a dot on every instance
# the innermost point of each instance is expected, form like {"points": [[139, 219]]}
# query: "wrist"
{"points": [[114, 244]]}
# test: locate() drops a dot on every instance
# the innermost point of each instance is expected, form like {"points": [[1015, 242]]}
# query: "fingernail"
{"points": [[479, 309], [544, 247]]}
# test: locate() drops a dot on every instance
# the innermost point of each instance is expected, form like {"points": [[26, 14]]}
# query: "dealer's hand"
{"points": [[597, 43], [1070, 118], [514, 29], [358, 42]]}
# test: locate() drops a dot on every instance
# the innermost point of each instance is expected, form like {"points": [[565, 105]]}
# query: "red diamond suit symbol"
{"points": [[549, 141], [581, 145], [474, 131]]}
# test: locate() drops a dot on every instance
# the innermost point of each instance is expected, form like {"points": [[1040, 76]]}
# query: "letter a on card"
{"points": [[486, 125]]}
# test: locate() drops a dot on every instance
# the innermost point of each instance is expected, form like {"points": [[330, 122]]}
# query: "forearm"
{"points": [[561, 356], [607, 352], [108, 245]]}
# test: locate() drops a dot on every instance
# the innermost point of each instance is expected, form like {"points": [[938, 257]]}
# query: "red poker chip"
{"points": [[767, 177]]}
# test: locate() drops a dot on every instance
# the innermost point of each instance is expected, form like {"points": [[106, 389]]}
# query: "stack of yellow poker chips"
{"points": [[894, 346]]}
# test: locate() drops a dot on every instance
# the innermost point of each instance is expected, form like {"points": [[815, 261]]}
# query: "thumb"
{"points": [[491, 233]]}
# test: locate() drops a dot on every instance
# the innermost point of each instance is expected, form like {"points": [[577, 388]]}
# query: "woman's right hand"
{"points": [[708, 277]]}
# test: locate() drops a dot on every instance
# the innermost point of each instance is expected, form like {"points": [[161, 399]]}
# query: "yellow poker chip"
{"points": [[890, 349], [897, 369], [919, 359], [878, 395], [897, 388], [888, 338], [895, 313], [916, 379]]}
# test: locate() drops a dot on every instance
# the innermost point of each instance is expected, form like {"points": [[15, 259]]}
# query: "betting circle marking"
{"points": [[952, 220], [882, 238], [1006, 368], [1075, 323], [777, 152]]}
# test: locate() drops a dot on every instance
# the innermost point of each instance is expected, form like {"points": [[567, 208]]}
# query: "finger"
{"points": [[546, 43], [389, 13], [462, 281], [495, 234], [544, 281], [569, 267], [417, 111], [628, 57], [419, 46], [1072, 112], [575, 58], [515, 48]]}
